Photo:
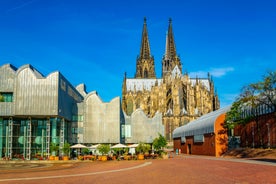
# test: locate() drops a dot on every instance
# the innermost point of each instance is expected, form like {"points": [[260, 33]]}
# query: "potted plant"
{"points": [[104, 150], [142, 149], [85, 151], [66, 151], [54, 148]]}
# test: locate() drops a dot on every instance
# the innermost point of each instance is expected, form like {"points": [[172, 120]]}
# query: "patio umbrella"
{"points": [[133, 145], [78, 146], [94, 146], [94, 149], [119, 146], [132, 148]]}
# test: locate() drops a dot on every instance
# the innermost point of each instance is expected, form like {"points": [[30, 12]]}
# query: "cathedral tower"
{"points": [[145, 62], [170, 58], [178, 97]]}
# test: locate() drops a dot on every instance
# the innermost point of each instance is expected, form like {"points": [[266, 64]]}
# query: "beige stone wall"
{"points": [[141, 128], [101, 120]]}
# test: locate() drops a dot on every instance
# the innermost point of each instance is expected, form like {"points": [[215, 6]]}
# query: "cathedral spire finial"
{"points": [[170, 45], [145, 47]]}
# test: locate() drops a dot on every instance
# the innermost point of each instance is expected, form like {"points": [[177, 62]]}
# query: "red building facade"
{"points": [[258, 133]]}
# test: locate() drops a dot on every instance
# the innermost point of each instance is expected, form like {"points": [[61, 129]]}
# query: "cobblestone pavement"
{"points": [[180, 169]]}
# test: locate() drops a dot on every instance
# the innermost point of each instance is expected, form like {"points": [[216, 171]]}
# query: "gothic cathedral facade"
{"points": [[178, 97]]}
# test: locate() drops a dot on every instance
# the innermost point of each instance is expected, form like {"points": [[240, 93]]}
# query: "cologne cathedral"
{"points": [[178, 97]]}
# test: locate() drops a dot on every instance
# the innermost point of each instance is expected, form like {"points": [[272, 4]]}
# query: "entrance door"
{"points": [[189, 149]]}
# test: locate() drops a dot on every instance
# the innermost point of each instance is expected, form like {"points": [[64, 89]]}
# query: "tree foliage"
{"points": [[85, 151], [54, 147], [66, 149], [267, 90], [143, 148], [233, 117], [159, 142], [104, 149]]}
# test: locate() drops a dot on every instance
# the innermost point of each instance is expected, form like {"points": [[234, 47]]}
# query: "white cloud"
{"points": [[215, 72], [219, 72]]}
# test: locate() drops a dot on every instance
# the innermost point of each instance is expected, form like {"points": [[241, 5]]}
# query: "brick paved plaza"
{"points": [[180, 169]]}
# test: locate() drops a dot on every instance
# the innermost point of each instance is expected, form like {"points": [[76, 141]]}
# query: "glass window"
{"points": [[6, 97], [199, 138], [77, 118], [74, 130], [127, 131]]}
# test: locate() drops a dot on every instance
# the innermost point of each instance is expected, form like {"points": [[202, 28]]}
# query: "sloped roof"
{"points": [[140, 84], [204, 82], [202, 125]]}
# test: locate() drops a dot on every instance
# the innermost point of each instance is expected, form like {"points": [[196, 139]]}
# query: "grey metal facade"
{"points": [[35, 111]]}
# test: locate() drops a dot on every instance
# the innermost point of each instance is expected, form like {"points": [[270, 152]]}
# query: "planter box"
{"points": [[141, 157], [104, 158], [165, 156]]}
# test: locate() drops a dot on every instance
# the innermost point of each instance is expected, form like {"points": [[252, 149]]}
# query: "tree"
{"points": [[159, 143], [54, 148], [85, 151], [267, 90], [143, 148], [104, 149], [66, 149], [252, 98]]}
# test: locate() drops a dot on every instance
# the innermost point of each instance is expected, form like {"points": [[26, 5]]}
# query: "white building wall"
{"points": [[101, 120], [140, 128]]}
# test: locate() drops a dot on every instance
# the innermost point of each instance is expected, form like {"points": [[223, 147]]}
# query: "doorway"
{"points": [[189, 151]]}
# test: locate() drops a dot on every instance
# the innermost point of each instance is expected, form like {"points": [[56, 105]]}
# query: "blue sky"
{"points": [[96, 42]]}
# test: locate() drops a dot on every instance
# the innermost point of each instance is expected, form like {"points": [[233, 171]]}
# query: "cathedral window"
{"points": [[170, 104], [184, 97], [138, 102], [169, 93], [146, 75]]}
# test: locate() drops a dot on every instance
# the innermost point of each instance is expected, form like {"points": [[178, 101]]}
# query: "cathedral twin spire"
{"points": [[170, 59], [145, 62], [145, 46], [170, 51]]}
